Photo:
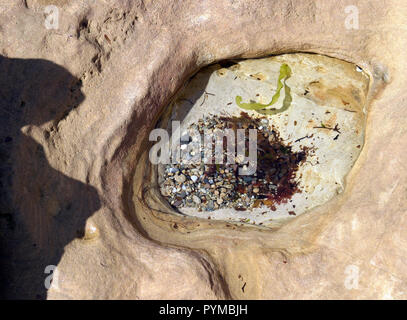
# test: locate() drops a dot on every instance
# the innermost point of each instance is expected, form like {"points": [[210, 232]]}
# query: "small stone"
{"points": [[180, 178], [256, 190], [209, 206], [177, 203], [194, 178], [164, 192], [173, 170], [196, 199], [219, 200], [247, 179], [185, 139]]}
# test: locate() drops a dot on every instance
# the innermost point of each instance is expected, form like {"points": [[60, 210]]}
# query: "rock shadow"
{"points": [[41, 209]]}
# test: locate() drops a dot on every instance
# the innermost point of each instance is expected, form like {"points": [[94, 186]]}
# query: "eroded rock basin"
{"points": [[130, 58], [318, 108]]}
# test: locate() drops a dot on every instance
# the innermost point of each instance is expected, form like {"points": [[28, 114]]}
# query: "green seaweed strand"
{"points": [[285, 73], [286, 103]]}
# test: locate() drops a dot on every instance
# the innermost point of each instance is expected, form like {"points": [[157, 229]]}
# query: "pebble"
{"points": [[164, 192], [194, 178], [177, 203], [196, 199], [247, 179], [180, 178]]}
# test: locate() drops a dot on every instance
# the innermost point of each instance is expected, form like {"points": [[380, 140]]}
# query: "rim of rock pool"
{"points": [[149, 212]]}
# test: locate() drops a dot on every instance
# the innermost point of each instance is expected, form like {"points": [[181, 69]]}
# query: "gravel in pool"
{"points": [[210, 187]]}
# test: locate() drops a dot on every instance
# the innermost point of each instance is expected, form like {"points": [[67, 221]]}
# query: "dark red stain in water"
{"points": [[276, 162]]}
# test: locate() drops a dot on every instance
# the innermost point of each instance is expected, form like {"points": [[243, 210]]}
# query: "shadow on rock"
{"points": [[41, 209]]}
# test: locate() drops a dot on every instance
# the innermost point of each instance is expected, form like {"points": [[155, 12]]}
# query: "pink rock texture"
{"points": [[79, 101]]}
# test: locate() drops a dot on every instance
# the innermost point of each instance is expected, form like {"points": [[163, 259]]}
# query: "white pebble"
{"points": [[196, 199]]}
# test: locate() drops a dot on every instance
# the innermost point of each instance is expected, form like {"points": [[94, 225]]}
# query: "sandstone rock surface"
{"points": [[78, 101]]}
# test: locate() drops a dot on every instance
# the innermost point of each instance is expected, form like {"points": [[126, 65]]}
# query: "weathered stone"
{"points": [[81, 101]]}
